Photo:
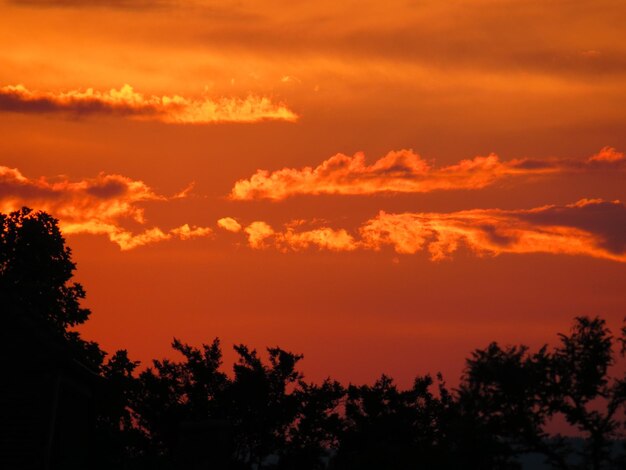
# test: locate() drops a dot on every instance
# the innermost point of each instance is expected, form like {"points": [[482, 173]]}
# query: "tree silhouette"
{"points": [[510, 396], [39, 300], [170, 393], [316, 427], [394, 429], [275, 418], [260, 403], [502, 403], [584, 393], [36, 269], [119, 441]]}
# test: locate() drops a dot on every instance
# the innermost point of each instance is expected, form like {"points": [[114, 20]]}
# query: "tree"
{"points": [[261, 405], [170, 393], [584, 393], [510, 396], [37, 293], [386, 427], [36, 271], [316, 427], [502, 404], [119, 441], [275, 419]]}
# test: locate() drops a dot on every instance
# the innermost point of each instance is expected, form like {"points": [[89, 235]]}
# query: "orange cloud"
{"points": [[261, 235], [403, 172], [258, 232], [590, 227], [229, 224], [127, 102], [323, 238], [607, 154], [97, 206]]}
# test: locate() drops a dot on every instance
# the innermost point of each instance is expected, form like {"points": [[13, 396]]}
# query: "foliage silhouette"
{"points": [[170, 393], [500, 412], [36, 269], [260, 403], [394, 429], [37, 294], [513, 395], [119, 441], [316, 427]]}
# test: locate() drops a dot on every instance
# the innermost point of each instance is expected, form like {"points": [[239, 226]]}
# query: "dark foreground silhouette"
{"points": [[66, 404]]}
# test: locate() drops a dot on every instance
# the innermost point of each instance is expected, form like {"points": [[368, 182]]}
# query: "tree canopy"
{"points": [[36, 270]]}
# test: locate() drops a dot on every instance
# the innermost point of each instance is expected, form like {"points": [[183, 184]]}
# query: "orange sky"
{"points": [[397, 182]]}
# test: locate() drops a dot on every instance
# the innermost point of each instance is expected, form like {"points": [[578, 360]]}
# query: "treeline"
{"points": [[499, 412], [265, 415]]}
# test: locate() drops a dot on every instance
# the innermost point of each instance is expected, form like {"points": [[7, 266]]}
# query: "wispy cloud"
{"points": [[406, 172], [261, 235], [591, 227], [594, 228], [293, 237], [104, 205], [127, 102]]}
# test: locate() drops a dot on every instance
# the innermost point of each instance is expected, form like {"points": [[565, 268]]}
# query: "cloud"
{"points": [[129, 103], [590, 227], [262, 235], [323, 238], [605, 219], [257, 233], [103, 205], [607, 154], [405, 172], [229, 224]]}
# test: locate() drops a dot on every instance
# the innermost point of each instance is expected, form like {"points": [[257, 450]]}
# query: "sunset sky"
{"points": [[381, 186]]}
